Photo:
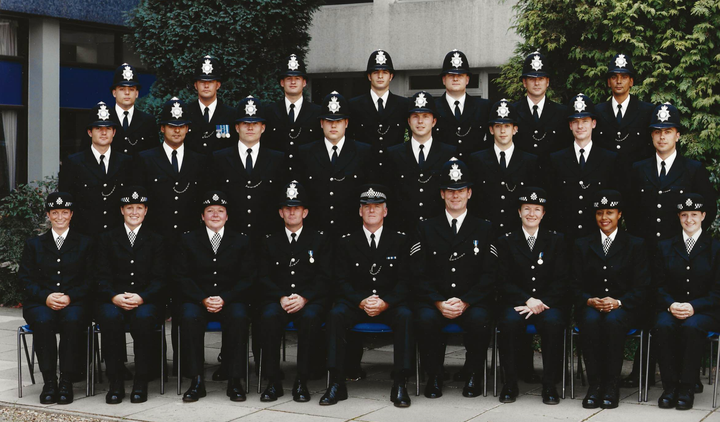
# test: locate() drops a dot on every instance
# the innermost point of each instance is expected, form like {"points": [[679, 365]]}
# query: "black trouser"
{"points": [[234, 320], [342, 317], [475, 321], [72, 323], [602, 339], [142, 322], [308, 322], [680, 346], [550, 324]]}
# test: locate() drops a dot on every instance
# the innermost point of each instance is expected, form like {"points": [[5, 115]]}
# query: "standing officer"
{"points": [[533, 280], [136, 130], [214, 270], [292, 121], [372, 276], [131, 274], [541, 122], [250, 173], [295, 270], [333, 169], [577, 172], [687, 276], [500, 170], [95, 176], [621, 121], [55, 272], [379, 117], [414, 170], [454, 262], [212, 121], [462, 118]]}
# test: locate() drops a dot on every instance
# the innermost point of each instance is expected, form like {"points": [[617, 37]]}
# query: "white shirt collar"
{"points": [[508, 153], [668, 162], [288, 233], [460, 219], [121, 114], [624, 105], [612, 235], [212, 108], [180, 154], [242, 149], [528, 234], [416, 148], [587, 149], [127, 229], [540, 105], [211, 233], [329, 145], [451, 102], [375, 98], [378, 233], [298, 106], [63, 234], [97, 155]]}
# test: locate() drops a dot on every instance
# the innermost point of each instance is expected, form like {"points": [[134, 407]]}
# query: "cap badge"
{"points": [[663, 114], [620, 61], [533, 196], [103, 113], [127, 73], [250, 108], [334, 105], [59, 201], [291, 191], [176, 112], [503, 111], [215, 197], [536, 63], [604, 200], [579, 104], [135, 195], [293, 63], [380, 58], [455, 173], [456, 61], [207, 67], [421, 101], [688, 202]]}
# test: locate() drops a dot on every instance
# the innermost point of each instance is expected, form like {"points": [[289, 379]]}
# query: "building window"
{"points": [[84, 46]]}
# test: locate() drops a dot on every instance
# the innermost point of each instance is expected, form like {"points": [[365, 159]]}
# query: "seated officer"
{"points": [[214, 270], [532, 278], [454, 263], [687, 275], [610, 278], [294, 277], [131, 273], [371, 276], [55, 272]]}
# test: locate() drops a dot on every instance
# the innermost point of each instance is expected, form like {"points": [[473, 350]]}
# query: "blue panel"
{"points": [[83, 88], [102, 11], [11, 83]]}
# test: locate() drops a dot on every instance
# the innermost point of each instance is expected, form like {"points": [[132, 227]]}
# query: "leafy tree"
{"points": [[250, 37]]}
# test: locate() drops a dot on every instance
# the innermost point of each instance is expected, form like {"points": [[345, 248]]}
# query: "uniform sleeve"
{"points": [[182, 277], [510, 291], [104, 270], [323, 271], [711, 301], [659, 277], [84, 287], [484, 289], [704, 187], [401, 291], [158, 273], [247, 275], [559, 277], [30, 275], [342, 276], [578, 277], [640, 278], [270, 290], [425, 290]]}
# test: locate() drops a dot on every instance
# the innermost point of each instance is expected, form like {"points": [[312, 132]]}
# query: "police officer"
{"points": [[292, 121], [622, 120], [136, 130], [454, 261], [577, 172], [214, 269], [501, 170], [657, 182], [414, 170], [462, 118], [96, 175], [250, 173], [611, 277], [372, 276], [379, 117], [541, 122], [533, 280], [212, 121], [55, 272], [333, 169], [295, 270], [131, 273]]}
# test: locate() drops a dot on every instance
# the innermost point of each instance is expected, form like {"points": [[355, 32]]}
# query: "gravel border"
{"points": [[19, 413]]}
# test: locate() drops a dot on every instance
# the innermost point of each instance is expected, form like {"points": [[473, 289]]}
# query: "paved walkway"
{"points": [[368, 402]]}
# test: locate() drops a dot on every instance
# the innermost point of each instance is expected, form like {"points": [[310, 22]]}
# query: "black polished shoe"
{"points": [[399, 395], [685, 399], [272, 392], [49, 393], [433, 388], [698, 387], [116, 392], [196, 390], [65, 392], [300, 392], [236, 392], [611, 396], [509, 393], [668, 398], [220, 374], [550, 394], [139, 392], [473, 386], [334, 394], [592, 398]]}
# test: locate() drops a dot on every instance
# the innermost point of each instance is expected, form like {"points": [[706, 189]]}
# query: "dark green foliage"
{"points": [[22, 215], [251, 37]]}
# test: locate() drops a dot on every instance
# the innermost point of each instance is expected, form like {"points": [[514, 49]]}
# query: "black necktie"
{"points": [[582, 159], [125, 120], [294, 238], [373, 245], [207, 114], [454, 225], [249, 162], [175, 164], [380, 106], [458, 114], [334, 157], [291, 115], [536, 116], [619, 114], [421, 156], [503, 163], [663, 173], [104, 169]]}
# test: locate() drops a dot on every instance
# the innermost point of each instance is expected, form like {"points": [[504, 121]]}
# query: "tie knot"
{"points": [[582, 151], [102, 157], [207, 109], [662, 163], [126, 112], [334, 148], [535, 107], [502, 153], [421, 146], [619, 107], [293, 235], [174, 152], [292, 106], [457, 102], [454, 221], [380, 100], [249, 151]]}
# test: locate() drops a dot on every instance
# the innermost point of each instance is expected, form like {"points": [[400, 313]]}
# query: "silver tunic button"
{"points": [[58, 284], [292, 272], [533, 279], [452, 285], [132, 261], [453, 270], [659, 206], [292, 285], [532, 267], [58, 260], [374, 279], [332, 193], [249, 196]]}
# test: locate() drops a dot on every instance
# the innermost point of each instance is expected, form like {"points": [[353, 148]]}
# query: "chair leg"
{"points": [[19, 363], [98, 358], [247, 365], [485, 374], [179, 371], [495, 363], [640, 375], [163, 357], [283, 346], [717, 372], [260, 372], [30, 357], [564, 363], [572, 364], [647, 366], [417, 370]]}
